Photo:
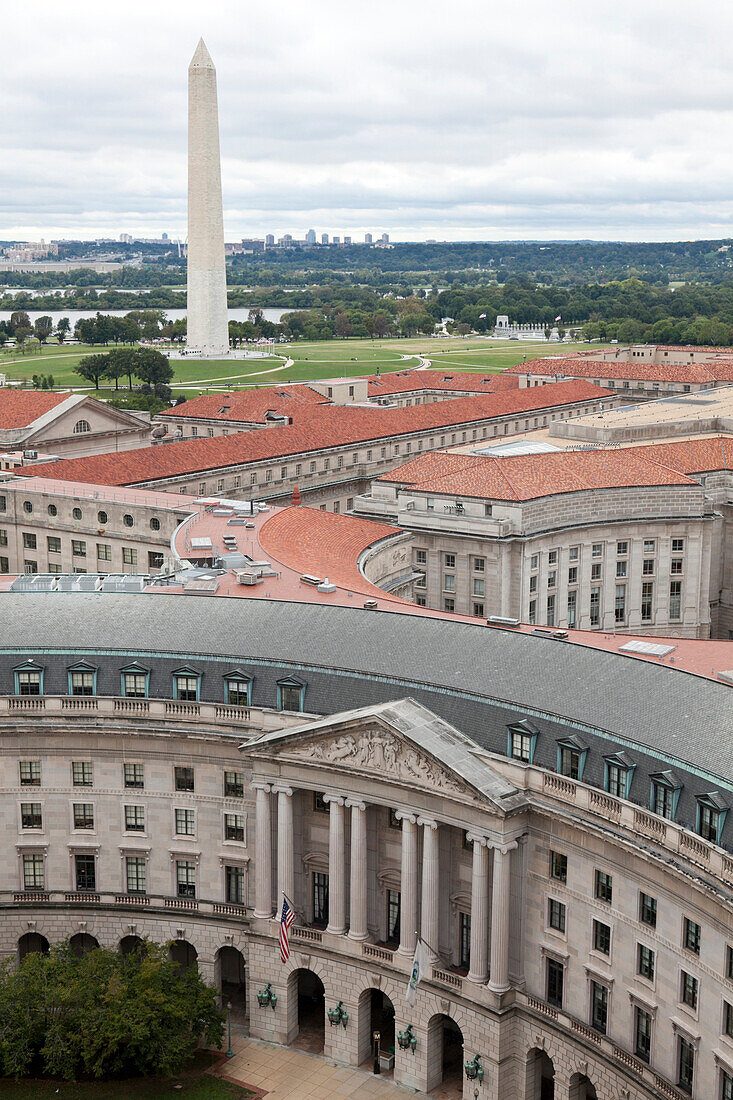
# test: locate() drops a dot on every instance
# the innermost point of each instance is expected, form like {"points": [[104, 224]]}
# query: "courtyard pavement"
{"points": [[281, 1072]]}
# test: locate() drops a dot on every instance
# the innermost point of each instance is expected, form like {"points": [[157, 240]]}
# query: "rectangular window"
{"points": [[186, 878], [234, 885], [689, 987], [728, 1019], [570, 762], [82, 773], [104, 551], [464, 945], [33, 876], [648, 910], [521, 746], [478, 610], [595, 606], [622, 549], [449, 605], [450, 561], [187, 688], [648, 567], [642, 1034], [729, 963], [185, 822], [83, 815], [686, 1063], [129, 555], [647, 601], [601, 937], [233, 784], [533, 583], [597, 550], [78, 549], [573, 574], [645, 962], [82, 683], [449, 582], [478, 586], [54, 544], [320, 898], [572, 607], [234, 827], [238, 693], [30, 815], [676, 566], [604, 887], [30, 567], [155, 559], [29, 541], [30, 773], [183, 779], [555, 974], [421, 557], [532, 616], [551, 610], [559, 866], [556, 915], [552, 557], [649, 546], [709, 823], [29, 683], [726, 1086], [393, 916], [675, 599], [136, 874], [573, 553], [479, 564], [662, 799], [616, 780], [552, 578], [135, 684], [598, 1007], [534, 561], [291, 697], [134, 776], [620, 604], [86, 873], [134, 819], [678, 546]]}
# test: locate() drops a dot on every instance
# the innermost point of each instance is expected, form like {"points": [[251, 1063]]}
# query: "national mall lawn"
{"points": [[311, 361]]}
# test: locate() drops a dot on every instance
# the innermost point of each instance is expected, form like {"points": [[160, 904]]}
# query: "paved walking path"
{"points": [[281, 1072]]}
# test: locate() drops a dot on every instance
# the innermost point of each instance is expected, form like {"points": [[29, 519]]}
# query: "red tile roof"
{"points": [[690, 456], [324, 426], [527, 477], [575, 367], [324, 545], [410, 381], [248, 406], [19, 408]]}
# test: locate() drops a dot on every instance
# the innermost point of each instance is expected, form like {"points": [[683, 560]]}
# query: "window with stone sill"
{"points": [[31, 815], [645, 962], [728, 1019], [601, 937], [30, 773], [234, 827], [82, 774], [691, 936], [559, 866], [604, 886], [551, 579], [552, 557], [597, 550], [233, 784], [622, 549], [134, 819], [688, 990], [648, 910], [183, 779], [83, 813], [678, 546], [556, 915]]}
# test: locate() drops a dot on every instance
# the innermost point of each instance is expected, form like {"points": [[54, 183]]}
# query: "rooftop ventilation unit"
{"points": [[649, 649], [370, 605], [326, 586], [501, 620], [308, 578]]}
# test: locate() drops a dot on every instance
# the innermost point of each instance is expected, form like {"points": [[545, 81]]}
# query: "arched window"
{"points": [[81, 426]]}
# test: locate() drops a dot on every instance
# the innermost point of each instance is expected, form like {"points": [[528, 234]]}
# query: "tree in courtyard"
{"points": [[43, 327], [103, 1015], [92, 367]]}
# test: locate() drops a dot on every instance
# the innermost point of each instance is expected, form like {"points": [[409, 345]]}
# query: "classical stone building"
{"points": [[551, 820], [69, 425]]}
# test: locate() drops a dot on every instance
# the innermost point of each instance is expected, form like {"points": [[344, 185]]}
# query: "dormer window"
{"points": [[711, 814], [665, 794], [522, 741], [186, 685], [619, 773], [290, 694], [28, 679], [82, 679], [571, 757]]}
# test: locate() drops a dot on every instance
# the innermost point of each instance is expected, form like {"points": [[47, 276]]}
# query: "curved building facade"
{"points": [[551, 821]]}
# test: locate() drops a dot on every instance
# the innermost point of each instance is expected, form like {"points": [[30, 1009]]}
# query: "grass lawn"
{"points": [[195, 1084], [311, 361]]}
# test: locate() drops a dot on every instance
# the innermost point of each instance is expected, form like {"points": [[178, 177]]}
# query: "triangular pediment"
{"points": [[401, 742]]}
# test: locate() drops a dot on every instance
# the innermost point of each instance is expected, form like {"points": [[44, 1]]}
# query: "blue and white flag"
{"points": [[420, 967]]}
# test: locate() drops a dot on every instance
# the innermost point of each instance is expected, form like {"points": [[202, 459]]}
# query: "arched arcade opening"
{"points": [[183, 953], [307, 1011], [375, 1014], [582, 1088], [130, 945], [82, 943], [32, 942], [540, 1084], [231, 979], [445, 1058]]}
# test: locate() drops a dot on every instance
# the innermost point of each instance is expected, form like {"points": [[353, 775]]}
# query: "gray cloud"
{"points": [[424, 119]]}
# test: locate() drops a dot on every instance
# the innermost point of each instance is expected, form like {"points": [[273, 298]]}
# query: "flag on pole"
{"points": [[286, 919], [559, 317], [420, 965], [482, 316]]}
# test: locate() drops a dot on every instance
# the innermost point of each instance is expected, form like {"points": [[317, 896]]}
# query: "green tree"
{"points": [[22, 332], [120, 362], [92, 367], [63, 328], [43, 327], [19, 319], [152, 366]]}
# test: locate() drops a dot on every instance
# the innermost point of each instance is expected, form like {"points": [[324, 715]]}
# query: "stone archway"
{"points": [[582, 1088], [183, 953], [30, 943], [306, 997], [82, 943], [375, 1012], [231, 979], [130, 945], [445, 1058], [540, 1076]]}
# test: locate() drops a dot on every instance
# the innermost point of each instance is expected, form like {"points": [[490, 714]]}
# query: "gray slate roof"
{"points": [[656, 706]]}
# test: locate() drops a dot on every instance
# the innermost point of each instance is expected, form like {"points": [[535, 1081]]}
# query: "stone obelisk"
{"points": [[207, 328]]}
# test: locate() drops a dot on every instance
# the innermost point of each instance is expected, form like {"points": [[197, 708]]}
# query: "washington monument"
{"points": [[207, 328]]}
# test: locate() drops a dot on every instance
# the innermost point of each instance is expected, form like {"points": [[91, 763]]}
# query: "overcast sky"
{"points": [[461, 120]]}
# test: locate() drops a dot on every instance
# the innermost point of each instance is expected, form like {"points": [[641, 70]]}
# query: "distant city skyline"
{"points": [[596, 124]]}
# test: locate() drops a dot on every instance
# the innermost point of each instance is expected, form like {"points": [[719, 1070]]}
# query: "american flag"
{"points": [[286, 919]]}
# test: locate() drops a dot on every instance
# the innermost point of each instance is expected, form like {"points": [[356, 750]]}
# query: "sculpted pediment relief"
{"points": [[378, 751]]}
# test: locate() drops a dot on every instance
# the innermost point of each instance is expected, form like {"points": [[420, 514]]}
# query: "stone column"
{"points": [[358, 876], [430, 909], [408, 883], [285, 875], [336, 866], [263, 851], [479, 966], [500, 915]]}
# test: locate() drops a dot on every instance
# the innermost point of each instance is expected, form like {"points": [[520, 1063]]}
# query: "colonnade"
{"points": [[490, 907]]}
